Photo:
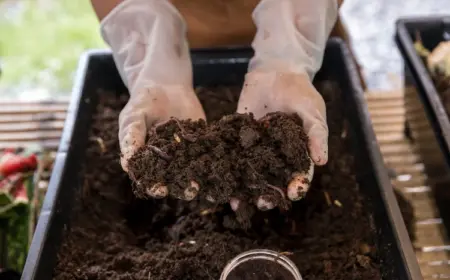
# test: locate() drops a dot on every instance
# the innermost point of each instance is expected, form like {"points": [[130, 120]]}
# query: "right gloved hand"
{"points": [[148, 41]]}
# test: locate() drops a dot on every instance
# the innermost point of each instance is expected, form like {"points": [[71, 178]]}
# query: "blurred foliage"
{"points": [[15, 232], [41, 41]]}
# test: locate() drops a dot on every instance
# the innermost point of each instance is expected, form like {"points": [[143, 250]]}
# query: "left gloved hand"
{"points": [[289, 46]]}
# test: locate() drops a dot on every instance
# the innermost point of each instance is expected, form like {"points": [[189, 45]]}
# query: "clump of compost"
{"points": [[237, 157]]}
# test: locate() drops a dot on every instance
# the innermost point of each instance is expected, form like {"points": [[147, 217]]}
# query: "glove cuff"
{"points": [[149, 44], [292, 34]]}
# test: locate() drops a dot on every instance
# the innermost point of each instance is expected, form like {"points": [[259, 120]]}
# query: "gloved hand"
{"points": [[148, 40], [289, 47]]}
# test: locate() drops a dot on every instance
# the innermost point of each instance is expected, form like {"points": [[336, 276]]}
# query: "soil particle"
{"points": [[114, 235]]}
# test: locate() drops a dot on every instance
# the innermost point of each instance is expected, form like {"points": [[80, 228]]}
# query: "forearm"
{"points": [[148, 41], [103, 7], [291, 34]]}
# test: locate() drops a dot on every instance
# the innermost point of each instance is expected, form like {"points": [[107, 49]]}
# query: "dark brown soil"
{"points": [[113, 235], [237, 156], [218, 105], [260, 270]]}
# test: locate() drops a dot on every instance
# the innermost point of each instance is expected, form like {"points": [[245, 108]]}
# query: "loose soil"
{"points": [[114, 235], [236, 156], [260, 270]]}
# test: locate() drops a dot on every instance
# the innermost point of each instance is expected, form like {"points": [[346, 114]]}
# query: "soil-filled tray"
{"points": [[426, 112], [93, 227]]}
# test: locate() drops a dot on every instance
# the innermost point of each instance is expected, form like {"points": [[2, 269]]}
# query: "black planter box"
{"points": [[427, 120], [224, 67]]}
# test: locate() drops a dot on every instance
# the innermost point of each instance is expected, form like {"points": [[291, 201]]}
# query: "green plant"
{"points": [[41, 45]]}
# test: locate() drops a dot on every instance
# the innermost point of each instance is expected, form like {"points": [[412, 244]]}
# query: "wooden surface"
{"points": [[431, 243], [31, 123]]}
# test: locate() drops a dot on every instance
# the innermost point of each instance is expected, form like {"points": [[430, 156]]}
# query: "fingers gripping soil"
{"points": [[236, 157]]}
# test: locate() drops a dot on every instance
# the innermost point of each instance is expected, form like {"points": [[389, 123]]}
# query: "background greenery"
{"points": [[41, 42]]}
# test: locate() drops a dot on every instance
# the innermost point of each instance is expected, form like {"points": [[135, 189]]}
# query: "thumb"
{"points": [[315, 126], [132, 133], [318, 143]]}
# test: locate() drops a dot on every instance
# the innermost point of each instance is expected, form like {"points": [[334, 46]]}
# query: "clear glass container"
{"points": [[262, 254]]}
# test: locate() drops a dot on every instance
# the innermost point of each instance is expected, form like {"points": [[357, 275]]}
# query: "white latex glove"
{"points": [[289, 47], [148, 40]]}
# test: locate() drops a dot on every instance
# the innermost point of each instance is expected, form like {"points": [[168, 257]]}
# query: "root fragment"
{"points": [[183, 132], [101, 143], [160, 153]]}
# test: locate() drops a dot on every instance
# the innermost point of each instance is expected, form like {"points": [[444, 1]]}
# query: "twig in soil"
{"points": [[177, 138], [85, 189], [100, 142], [327, 198], [160, 153], [278, 189], [184, 134], [207, 211], [338, 203]]}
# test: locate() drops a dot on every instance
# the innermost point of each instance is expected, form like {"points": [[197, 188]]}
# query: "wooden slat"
{"points": [[387, 128], [424, 257], [376, 96], [380, 120], [402, 160], [386, 103], [32, 117], [31, 126], [25, 123], [15, 102], [396, 148], [32, 108], [390, 138], [410, 169], [45, 144], [30, 136], [387, 112]]}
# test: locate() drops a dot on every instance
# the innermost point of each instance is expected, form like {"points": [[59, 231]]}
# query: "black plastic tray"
{"points": [[427, 120], [224, 67]]}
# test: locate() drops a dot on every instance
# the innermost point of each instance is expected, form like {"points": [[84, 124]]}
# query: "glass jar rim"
{"points": [[261, 254]]}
